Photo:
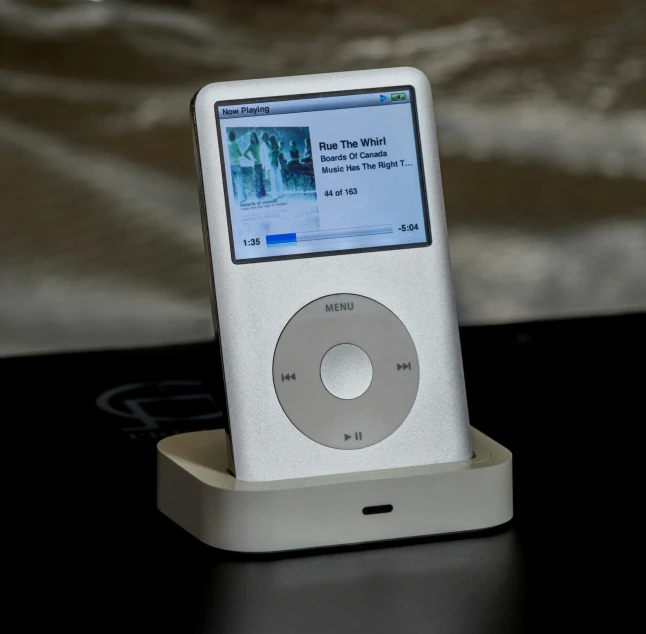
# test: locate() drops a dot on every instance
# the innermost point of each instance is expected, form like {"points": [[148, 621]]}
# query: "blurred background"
{"points": [[541, 115]]}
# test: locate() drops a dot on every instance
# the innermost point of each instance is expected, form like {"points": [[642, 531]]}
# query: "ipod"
{"points": [[324, 226]]}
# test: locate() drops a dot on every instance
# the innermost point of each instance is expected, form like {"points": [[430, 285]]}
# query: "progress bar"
{"points": [[331, 234]]}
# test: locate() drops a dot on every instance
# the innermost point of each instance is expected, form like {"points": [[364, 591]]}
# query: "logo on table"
{"points": [[155, 408]]}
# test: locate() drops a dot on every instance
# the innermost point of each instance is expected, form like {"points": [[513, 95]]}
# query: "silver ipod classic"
{"points": [[325, 230]]}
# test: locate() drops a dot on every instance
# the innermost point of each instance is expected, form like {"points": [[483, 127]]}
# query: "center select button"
{"points": [[346, 371]]}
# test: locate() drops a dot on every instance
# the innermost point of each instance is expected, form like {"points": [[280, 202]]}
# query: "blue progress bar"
{"points": [[329, 234], [280, 238]]}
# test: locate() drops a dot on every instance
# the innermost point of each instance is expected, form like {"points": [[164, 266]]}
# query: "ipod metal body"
{"points": [[331, 287]]}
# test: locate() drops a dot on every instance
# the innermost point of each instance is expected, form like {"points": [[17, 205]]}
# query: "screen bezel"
{"points": [[317, 254]]}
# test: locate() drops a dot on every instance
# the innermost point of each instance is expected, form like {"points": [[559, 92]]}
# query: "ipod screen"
{"points": [[323, 174]]}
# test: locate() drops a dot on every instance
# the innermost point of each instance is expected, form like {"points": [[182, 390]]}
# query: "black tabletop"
{"points": [[564, 397]]}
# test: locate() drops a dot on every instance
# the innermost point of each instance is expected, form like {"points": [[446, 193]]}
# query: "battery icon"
{"points": [[398, 96]]}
